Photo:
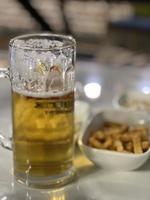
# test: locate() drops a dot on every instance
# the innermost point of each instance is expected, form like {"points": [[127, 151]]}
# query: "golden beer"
{"points": [[43, 129]]}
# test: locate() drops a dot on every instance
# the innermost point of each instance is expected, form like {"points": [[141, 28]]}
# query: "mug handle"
{"points": [[5, 142]]}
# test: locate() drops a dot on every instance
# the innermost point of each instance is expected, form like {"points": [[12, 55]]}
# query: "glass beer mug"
{"points": [[42, 75]]}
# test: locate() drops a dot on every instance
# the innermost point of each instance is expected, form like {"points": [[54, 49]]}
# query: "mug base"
{"points": [[48, 181]]}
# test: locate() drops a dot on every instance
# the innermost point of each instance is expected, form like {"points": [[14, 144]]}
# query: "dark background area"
{"points": [[101, 28]]}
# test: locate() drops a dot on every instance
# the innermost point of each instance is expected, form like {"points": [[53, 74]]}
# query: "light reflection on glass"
{"points": [[92, 90], [4, 198], [146, 90], [58, 198], [142, 122], [58, 194]]}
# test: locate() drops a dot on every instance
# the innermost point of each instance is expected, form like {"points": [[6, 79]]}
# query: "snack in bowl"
{"points": [[121, 138], [116, 139]]}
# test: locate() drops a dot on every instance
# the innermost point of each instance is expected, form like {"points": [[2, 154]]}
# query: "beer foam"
{"points": [[43, 94], [37, 43]]}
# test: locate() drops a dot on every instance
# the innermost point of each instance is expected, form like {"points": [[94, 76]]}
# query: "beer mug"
{"points": [[42, 75]]}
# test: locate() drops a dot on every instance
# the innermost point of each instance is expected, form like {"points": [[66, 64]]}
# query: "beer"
{"points": [[43, 128]]}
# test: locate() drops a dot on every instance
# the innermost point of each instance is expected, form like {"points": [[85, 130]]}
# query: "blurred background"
{"points": [[112, 32]]}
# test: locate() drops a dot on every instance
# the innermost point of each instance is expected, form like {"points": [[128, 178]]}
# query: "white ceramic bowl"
{"points": [[133, 100], [110, 159], [82, 115]]}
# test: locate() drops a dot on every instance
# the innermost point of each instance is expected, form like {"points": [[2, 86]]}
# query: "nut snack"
{"points": [[121, 138]]}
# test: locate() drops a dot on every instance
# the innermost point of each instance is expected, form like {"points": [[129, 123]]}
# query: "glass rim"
{"points": [[68, 38]]}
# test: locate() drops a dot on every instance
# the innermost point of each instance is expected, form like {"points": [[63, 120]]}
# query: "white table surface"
{"points": [[91, 183]]}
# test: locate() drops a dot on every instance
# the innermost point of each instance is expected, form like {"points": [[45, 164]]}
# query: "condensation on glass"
{"points": [[42, 75]]}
